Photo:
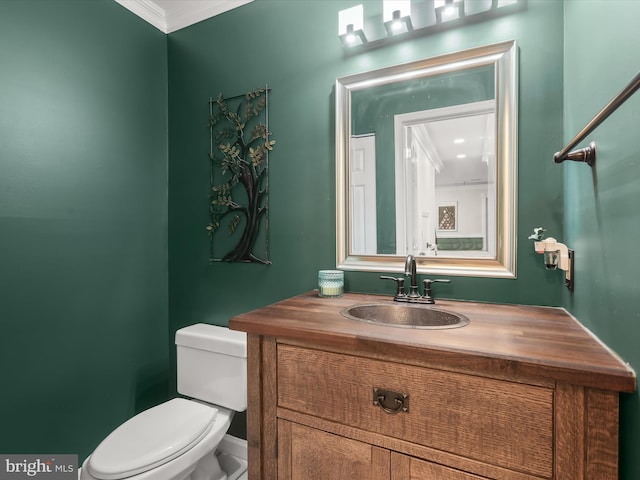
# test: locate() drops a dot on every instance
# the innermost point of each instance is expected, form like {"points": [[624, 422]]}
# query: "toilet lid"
{"points": [[151, 438]]}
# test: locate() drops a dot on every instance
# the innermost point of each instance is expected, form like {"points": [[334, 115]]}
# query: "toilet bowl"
{"points": [[177, 440]]}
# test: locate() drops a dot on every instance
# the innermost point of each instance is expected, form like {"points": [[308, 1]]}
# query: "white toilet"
{"points": [[177, 440]]}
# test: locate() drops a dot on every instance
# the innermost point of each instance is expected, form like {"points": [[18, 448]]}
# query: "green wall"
{"points": [[294, 48], [83, 222], [601, 204], [92, 287]]}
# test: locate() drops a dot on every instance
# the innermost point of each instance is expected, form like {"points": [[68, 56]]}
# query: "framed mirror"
{"points": [[426, 164]]}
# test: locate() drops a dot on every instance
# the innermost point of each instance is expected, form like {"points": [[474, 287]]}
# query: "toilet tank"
{"points": [[212, 365]]}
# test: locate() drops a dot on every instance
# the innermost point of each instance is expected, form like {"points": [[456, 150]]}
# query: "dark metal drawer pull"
{"points": [[389, 401]]}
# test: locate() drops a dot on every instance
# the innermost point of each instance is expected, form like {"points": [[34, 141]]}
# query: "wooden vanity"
{"points": [[521, 393]]}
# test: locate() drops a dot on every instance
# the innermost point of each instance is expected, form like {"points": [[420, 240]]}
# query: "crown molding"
{"points": [[178, 14], [148, 11], [188, 15]]}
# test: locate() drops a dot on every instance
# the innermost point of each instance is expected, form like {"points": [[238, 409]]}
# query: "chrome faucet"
{"points": [[410, 269]]}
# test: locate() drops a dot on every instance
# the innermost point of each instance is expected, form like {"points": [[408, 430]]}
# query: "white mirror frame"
{"points": [[504, 57]]}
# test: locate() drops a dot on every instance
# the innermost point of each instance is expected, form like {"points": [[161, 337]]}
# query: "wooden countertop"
{"points": [[542, 342]]}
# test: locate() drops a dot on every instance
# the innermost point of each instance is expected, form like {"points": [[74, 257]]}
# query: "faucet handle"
{"points": [[427, 288], [435, 280], [400, 293]]}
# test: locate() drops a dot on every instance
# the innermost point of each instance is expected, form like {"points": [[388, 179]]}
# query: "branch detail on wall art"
{"points": [[239, 160]]}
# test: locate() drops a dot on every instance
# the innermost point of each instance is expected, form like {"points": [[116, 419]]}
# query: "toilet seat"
{"points": [[152, 438]]}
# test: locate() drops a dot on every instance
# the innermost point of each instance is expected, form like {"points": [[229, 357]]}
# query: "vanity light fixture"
{"points": [[557, 255], [447, 10], [399, 23], [396, 15], [351, 26]]}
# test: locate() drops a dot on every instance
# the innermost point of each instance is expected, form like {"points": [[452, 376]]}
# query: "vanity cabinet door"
{"points": [[305, 453], [404, 467]]}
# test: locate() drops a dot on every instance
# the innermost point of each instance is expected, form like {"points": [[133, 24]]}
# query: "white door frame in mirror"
{"points": [[503, 264], [418, 163]]}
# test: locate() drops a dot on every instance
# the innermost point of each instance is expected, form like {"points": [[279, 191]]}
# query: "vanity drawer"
{"points": [[494, 421]]}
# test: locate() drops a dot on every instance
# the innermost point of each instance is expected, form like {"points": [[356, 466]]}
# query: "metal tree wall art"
{"points": [[239, 155]]}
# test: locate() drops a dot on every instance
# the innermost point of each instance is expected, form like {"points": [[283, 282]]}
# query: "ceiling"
{"points": [[171, 15], [466, 148]]}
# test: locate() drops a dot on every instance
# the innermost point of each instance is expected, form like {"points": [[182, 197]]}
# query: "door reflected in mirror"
{"points": [[426, 165]]}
